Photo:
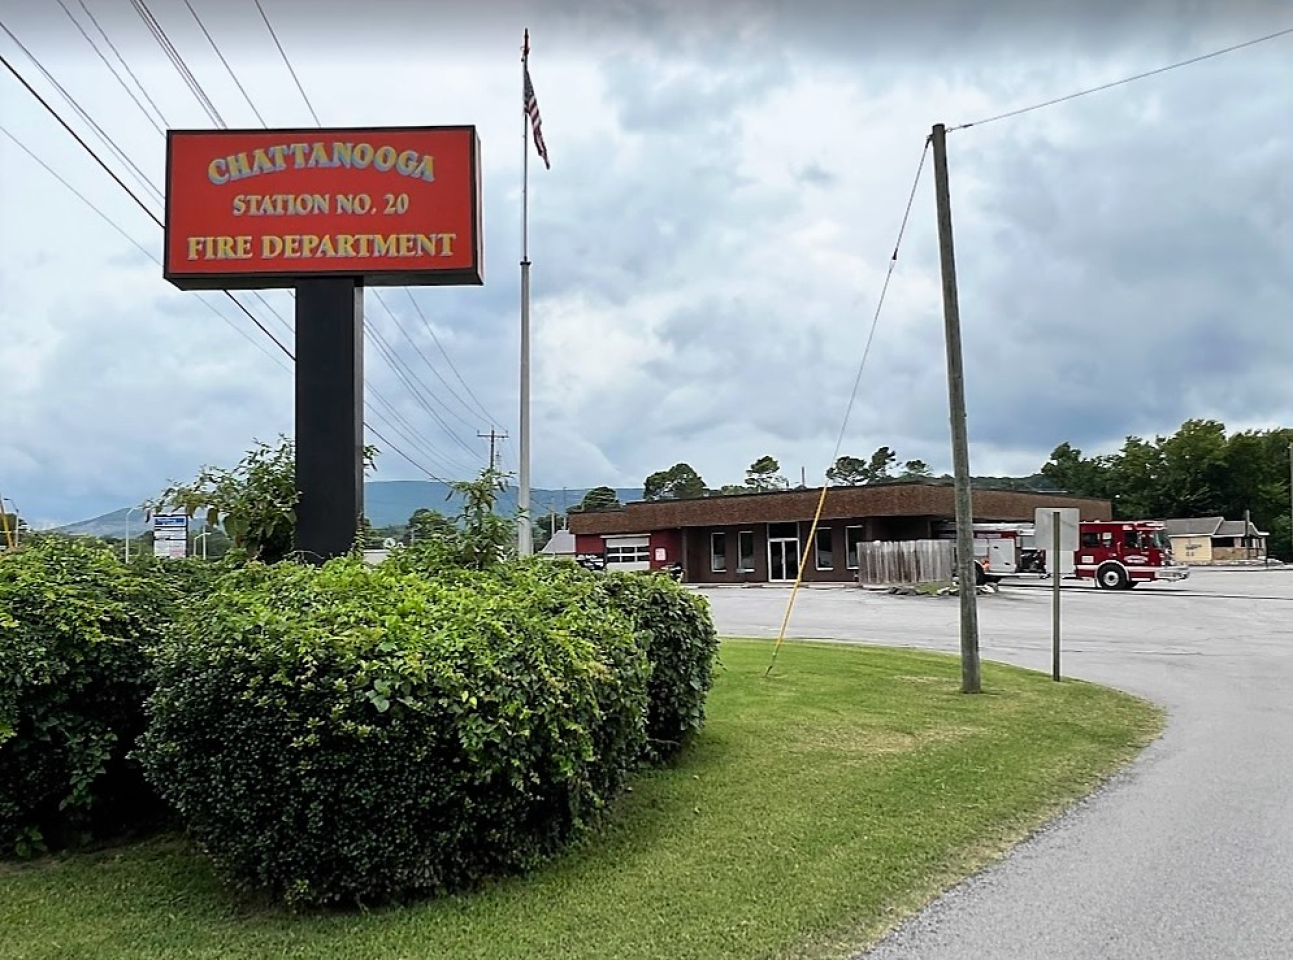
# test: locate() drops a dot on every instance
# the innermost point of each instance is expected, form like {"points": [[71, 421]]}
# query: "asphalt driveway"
{"points": [[1189, 854]]}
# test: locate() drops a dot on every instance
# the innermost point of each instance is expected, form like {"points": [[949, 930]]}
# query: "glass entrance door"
{"points": [[783, 560]]}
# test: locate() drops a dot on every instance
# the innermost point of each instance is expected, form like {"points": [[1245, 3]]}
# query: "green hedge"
{"points": [[672, 625], [354, 734], [675, 630], [74, 626]]}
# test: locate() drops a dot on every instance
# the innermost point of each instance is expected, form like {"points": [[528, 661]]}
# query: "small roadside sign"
{"points": [[1070, 518], [170, 535]]}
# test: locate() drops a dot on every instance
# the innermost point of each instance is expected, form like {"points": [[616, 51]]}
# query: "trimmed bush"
{"points": [[675, 631], [355, 734], [75, 623], [671, 624]]}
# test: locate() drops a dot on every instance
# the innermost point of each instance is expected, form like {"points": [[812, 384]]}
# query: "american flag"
{"points": [[532, 110]]}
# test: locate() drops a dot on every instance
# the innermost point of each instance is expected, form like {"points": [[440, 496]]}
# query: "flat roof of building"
{"points": [[915, 498]]}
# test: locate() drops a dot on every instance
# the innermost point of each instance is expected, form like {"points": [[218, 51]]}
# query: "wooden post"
{"points": [[970, 674]]}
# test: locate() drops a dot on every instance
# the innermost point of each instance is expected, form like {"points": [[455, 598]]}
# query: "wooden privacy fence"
{"points": [[885, 562]]}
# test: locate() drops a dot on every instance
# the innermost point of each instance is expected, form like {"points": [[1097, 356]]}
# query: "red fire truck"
{"points": [[1117, 554]]}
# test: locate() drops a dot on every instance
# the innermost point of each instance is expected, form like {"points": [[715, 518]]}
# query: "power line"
{"points": [[412, 383], [278, 316], [373, 430], [177, 60], [90, 150], [417, 438], [821, 500], [426, 323], [125, 65], [398, 418], [139, 246], [111, 144], [283, 54], [393, 423], [59, 177], [1125, 80], [108, 63], [394, 419], [233, 75], [196, 86], [884, 290], [80, 141], [418, 350], [77, 137], [121, 183], [384, 348]]}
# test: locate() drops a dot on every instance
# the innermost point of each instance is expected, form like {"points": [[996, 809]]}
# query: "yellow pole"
{"points": [[799, 577]]}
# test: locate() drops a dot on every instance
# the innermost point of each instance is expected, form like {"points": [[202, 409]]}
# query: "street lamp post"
{"points": [[128, 513], [203, 537]]}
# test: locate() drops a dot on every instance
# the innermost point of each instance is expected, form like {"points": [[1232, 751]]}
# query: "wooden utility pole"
{"points": [[970, 674], [492, 437]]}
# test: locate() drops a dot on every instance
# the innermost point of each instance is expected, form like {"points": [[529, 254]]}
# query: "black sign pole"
{"points": [[329, 416]]}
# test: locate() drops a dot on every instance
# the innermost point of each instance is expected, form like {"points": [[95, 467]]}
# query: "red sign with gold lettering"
{"points": [[394, 206]]}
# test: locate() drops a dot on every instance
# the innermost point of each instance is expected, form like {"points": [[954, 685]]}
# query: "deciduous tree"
{"points": [[679, 482], [598, 498], [425, 523], [254, 502]]}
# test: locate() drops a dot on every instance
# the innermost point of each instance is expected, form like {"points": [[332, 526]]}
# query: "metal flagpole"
{"points": [[524, 535]]}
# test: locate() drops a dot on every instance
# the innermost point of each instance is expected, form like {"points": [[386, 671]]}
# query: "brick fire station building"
{"points": [[763, 537]]}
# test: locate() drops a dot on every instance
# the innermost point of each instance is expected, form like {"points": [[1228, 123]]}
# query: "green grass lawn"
{"points": [[820, 805]]}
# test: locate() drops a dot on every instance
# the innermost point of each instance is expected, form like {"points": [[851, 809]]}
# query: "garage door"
{"points": [[628, 553]]}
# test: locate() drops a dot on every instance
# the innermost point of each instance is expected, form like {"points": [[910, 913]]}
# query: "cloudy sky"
{"points": [[727, 183]]}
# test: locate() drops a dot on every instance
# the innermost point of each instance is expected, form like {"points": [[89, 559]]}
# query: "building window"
{"points": [[745, 543], [852, 538], [630, 554], [825, 558], [717, 552], [783, 531]]}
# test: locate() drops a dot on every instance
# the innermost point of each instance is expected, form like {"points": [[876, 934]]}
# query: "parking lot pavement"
{"points": [[1189, 854]]}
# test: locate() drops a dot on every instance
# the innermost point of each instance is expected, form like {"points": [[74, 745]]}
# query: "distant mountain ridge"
{"points": [[387, 503], [390, 503]]}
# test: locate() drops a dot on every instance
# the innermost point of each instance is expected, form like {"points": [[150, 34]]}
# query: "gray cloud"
{"points": [[1135, 274], [710, 242], [816, 175]]}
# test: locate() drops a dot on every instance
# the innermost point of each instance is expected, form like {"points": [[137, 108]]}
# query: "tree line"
{"points": [[1199, 471], [682, 482]]}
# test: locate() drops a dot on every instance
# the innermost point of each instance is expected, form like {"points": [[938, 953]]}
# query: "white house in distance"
{"points": [[562, 544], [1199, 540]]}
